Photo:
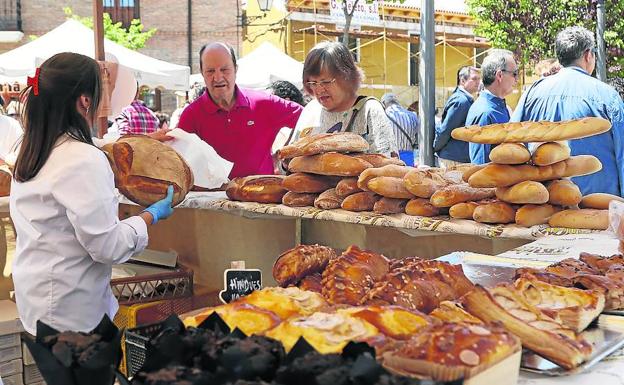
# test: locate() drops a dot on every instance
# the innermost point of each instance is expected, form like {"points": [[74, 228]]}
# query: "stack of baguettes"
{"points": [[532, 188], [324, 171]]}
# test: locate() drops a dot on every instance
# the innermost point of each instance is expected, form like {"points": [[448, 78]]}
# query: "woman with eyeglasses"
{"points": [[332, 77]]}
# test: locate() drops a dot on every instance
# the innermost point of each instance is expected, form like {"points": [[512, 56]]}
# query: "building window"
{"points": [[123, 11], [414, 48]]}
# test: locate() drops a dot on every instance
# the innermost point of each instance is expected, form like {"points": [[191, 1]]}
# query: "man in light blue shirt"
{"points": [[572, 94], [500, 74], [405, 124]]}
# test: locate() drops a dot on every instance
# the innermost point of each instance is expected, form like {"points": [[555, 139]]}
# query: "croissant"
{"points": [[294, 264]]}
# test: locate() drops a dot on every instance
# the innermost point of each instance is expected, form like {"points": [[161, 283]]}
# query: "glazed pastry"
{"points": [[294, 264], [393, 321], [450, 311]]}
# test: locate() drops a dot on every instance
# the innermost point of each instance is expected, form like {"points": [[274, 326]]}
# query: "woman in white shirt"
{"points": [[64, 206]]}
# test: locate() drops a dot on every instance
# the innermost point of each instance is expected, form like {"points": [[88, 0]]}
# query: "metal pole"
{"points": [[98, 34], [601, 65], [426, 83]]}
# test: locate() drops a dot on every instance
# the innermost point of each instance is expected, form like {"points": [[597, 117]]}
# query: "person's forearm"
{"points": [[147, 217]]}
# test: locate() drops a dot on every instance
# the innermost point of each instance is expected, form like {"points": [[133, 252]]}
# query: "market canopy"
{"points": [[72, 36]]}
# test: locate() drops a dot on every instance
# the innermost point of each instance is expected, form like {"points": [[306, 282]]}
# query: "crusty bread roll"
{"points": [[501, 175], [463, 210], [301, 182], [550, 153], [423, 183], [347, 186], [379, 160], [293, 199], [510, 153], [361, 201], [422, 208], [458, 193], [468, 173], [390, 206], [257, 188], [523, 132], [581, 219], [527, 192], [389, 187], [495, 212], [564, 192], [531, 215], [331, 163], [389, 170], [328, 200], [599, 201], [318, 144]]}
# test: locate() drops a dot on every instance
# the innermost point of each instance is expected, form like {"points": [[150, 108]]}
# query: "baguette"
{"points": [[422, 208], [389, 187], [389, 170], [256, 188], [468, 173], [510, 153], [581, 219], [423, 183], [531, 215], [458, 193], [293, 199], [300, 182], [390, 206], [361, 201], [465, 210], [522, 132], [328, 200], [550, 153], [318, 144], [500, 175], [495, 212], [564, 192], [379, 160], [527, 192], [599, 201], [347, 186], [331, 163]]}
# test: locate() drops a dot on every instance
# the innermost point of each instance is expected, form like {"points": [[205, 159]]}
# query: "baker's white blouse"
{"points": [[68, 238]]}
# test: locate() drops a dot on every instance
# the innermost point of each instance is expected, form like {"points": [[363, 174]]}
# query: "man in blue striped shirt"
{"points": [[405, 124]]}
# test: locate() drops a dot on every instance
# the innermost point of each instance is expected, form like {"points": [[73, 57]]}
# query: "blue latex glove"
{"points": [[162, 209]]}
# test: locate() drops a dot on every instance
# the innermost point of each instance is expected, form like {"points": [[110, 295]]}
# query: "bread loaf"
{"points": [[523, 132], [564, 193], [301, 182], [423, 183], [422, 208], [328, 200], [510, 153], [331, 163], [496, 212], [454, 194], [257, 188], [361, 201], [463, 210], [144, 168], [390, 206], [527, 192], [581, 219], [550, 153], [389, 170], [293, 199], [500, 175], [379, 160], [468, 173], [390, 187], [599, 201], [531, 215], [318, 144], [347, 186]]}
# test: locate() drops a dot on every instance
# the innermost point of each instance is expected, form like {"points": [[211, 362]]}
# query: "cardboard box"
{"points": [[32, 374], [9, 319], [15, 379], [10, 368], [9, 354], [9, 340]]}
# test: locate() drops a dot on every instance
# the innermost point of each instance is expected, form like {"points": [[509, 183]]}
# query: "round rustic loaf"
{"points": [[145, 167]]}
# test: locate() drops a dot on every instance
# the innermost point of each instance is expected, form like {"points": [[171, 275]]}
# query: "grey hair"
{"points": [[495, 61], [335, 58], [571, 44], [389, 99], [464, 73]]}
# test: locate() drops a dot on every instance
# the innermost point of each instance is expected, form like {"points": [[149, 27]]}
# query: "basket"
{"points": [[153, 287], [136, 345]]}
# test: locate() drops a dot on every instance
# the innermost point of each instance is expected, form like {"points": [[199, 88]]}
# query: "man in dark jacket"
{"points": [[449, 150]]}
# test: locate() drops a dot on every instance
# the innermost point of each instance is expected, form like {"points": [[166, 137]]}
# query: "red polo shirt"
{"points": [[244, 135]]}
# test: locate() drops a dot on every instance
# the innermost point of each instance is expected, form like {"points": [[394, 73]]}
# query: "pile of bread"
{"points": [[532, 188]]}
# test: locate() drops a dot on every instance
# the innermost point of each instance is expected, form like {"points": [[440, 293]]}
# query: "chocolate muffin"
{"points": [[252, 358], [74, 347], [174, 375], [314, 369]]}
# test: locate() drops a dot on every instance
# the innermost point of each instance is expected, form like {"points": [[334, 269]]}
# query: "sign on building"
{"points": [[365, 14]]}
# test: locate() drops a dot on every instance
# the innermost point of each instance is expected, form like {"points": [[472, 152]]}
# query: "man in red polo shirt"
{"points": [[240, 124]]}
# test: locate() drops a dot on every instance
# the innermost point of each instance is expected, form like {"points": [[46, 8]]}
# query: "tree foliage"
{"points": [[133, 37], [529, 27]]}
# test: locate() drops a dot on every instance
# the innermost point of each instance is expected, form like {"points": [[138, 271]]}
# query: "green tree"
{"points": [[529, 27], [133, 37]]}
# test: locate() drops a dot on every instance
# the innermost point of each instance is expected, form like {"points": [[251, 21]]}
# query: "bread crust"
{"points": [[327, 142]]}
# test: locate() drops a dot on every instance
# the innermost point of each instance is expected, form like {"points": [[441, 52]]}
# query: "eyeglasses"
{"points": [[593, 50], [322, 83], [513, 73]]}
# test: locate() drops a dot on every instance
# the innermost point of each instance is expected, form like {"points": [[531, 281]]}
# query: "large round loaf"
{"points": [[581, 219], [145, 167]]}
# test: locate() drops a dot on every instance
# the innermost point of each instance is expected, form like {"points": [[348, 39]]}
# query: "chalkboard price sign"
{"points": [[240, 282]]}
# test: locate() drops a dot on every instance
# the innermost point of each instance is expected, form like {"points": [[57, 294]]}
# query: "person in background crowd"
{"points": [[500, 75], [449, 151], [10, 135], [406, 125], [332, 77], [195, 92], [240, 124], [287, 91], [63, 204], [136, 118], [163, 119], [573, 93]]}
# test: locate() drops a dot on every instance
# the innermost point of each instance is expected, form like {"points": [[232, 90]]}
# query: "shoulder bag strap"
{"points": [[358, 106]]}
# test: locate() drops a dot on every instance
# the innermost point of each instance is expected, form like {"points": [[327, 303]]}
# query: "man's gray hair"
{"points": [[495, 61], [464, 73], [389, 99], [571, 44]]}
